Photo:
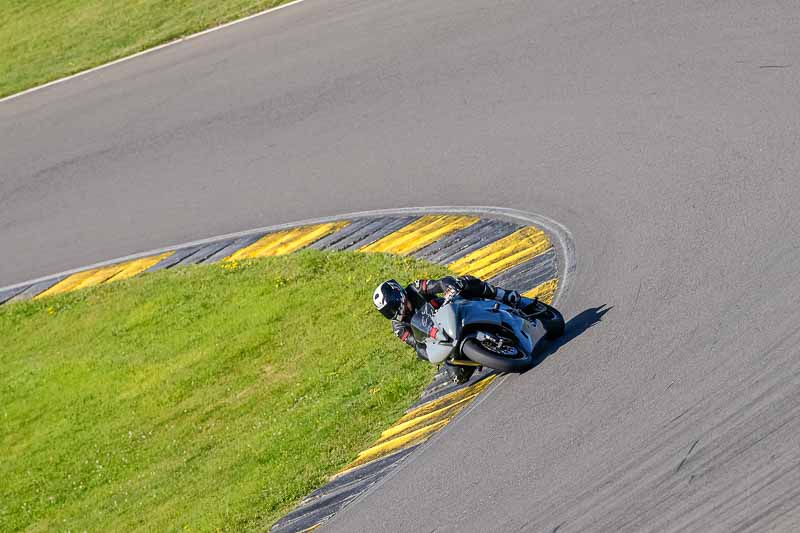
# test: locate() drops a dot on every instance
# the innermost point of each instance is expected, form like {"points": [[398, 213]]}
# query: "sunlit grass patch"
{"points": [[41, 40], [210, 397]]}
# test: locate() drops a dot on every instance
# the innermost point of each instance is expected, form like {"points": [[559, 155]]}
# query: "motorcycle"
{"points": [[477, 332]]}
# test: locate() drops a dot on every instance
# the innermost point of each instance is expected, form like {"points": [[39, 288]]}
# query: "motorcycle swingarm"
{"points": [[464, 362]]}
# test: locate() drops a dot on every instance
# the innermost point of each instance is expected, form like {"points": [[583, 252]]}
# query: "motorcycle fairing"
{"points": [[462, 318]]}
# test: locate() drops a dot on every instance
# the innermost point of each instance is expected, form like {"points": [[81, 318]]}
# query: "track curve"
{"points": [[664, 136]]}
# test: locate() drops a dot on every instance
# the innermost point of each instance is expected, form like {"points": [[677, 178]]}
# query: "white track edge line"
{"points": [[147, 51], [565, 249]]}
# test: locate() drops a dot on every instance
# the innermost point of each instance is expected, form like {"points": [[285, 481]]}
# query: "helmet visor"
{"points": [[394, 303]]}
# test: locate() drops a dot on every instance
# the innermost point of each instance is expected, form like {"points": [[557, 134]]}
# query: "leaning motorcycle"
{"points": [[477, 332]]}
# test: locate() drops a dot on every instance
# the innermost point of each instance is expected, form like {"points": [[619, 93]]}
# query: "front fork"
{"points": [[466, 362], [480, 336]]}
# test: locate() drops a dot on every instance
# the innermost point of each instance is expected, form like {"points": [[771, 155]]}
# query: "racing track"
{"points": [[664, 135]]}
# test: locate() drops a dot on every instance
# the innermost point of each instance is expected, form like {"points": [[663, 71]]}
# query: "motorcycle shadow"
{"points": [[573, 328]]}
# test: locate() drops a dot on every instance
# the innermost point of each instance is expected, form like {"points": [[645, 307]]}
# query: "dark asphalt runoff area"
{"points": [[664, 135]]}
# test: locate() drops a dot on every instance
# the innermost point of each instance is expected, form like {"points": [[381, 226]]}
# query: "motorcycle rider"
{"points": [[399, 304]]}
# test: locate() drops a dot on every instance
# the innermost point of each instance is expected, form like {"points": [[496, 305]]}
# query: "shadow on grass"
{"points": [[573, 328]]}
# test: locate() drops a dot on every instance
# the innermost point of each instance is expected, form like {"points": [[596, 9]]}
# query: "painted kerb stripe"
{"points": [[401, 428], [545, 292], [287, 241], [389, 443], [420, 233], [503, 254], [90, 278]]}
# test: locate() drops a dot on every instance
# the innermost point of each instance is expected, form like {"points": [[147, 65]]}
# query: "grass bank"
{"points": [[203, 398], [42, 40]]}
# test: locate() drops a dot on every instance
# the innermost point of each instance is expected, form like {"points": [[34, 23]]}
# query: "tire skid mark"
{"points": [[747, 427], [683, 461]]}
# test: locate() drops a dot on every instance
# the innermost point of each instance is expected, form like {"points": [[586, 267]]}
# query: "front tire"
{"points": [[479, 353]]}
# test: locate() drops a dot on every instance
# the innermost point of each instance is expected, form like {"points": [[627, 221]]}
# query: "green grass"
{"points": [[203, 398], [42, 40]]}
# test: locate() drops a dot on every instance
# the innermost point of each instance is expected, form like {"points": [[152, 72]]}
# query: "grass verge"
{"points": [[43, 40], [202, 398]]}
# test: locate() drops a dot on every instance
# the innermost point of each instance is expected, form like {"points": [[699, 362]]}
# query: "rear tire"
{"points": [[480, 354], [552, 320]]}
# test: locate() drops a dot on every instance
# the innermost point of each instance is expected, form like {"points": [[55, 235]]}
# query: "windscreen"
{"points": [[422, 321]]}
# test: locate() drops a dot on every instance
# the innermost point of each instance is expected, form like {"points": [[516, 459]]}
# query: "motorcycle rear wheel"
{"points": [[488, 357], [551, 318]]}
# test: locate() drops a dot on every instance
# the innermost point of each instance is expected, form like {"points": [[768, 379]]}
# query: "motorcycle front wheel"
{"points": [[498, 358]]}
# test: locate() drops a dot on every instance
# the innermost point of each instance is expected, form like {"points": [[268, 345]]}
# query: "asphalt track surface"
{"points": [[664, 135]]}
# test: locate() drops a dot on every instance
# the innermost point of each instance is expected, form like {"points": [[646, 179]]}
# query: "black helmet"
{"points": [[390, 299]]}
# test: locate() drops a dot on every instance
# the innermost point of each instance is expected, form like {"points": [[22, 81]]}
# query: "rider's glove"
{"points": [[451, 292], [403, 332], [453, 289]]}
